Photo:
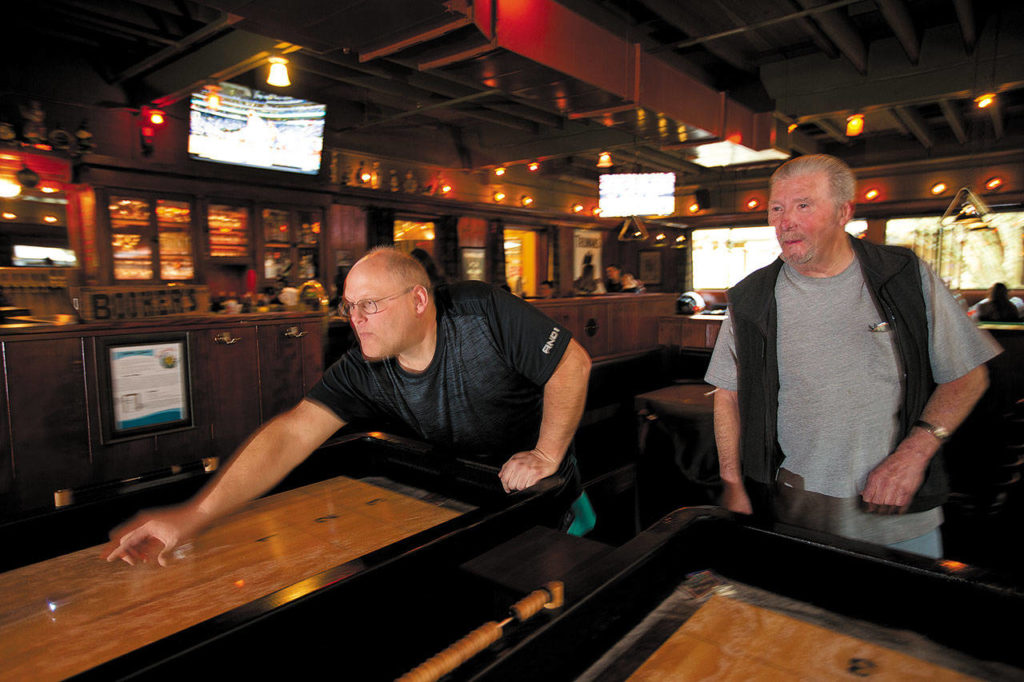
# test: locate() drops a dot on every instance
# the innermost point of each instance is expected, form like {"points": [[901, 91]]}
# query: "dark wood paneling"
{"points": [[227, 394], [49, 427]]}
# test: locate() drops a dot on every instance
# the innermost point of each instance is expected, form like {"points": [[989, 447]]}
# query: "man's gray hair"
{"points": [[842, 183]]}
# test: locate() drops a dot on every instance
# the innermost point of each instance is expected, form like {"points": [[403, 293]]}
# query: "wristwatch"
{"points": [[940, 432]]}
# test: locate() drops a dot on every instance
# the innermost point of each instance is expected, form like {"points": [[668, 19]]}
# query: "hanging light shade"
{"points": [[966, 210], [278, 75], [633, 230], [680, 242], [604, 160]]}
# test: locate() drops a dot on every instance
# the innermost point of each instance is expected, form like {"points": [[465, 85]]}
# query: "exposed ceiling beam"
{"points": [[916, 124], [841, 32], [402, 76], [232, 54], [171, 50], [689, 23], [953, 119], [995, 112], [454, 53], [397, 45], [968, 28], [798, 16], [897, 15]]}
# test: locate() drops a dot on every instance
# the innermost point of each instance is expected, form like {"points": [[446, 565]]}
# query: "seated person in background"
{"points": [[614, 282], [473, 371], [998, 307], [631, 285]]}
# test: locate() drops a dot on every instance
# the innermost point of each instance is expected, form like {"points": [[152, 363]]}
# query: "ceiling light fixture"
{"points": [[604, 160], [278, 74], [985, 100], [871, 194], [753, 203], [499, 171], [526, 200], [938, 188], [661, 239], [596, 211], [633, 230], [533, 167], [446, 188], [854, 125], [993, 183], [680, 242], [498, 197], [966, 210], [694, 207], [577, 208]]}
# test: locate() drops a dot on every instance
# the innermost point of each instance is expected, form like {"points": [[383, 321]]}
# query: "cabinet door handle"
{"points": [[294, 333], [226, 338]]}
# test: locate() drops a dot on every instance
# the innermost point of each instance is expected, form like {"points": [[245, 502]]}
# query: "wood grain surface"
{"points": [[728, 639], [71, 613]]}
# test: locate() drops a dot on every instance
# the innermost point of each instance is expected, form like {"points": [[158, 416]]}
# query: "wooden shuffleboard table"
{"points": [[703, 595], [354, 568]]}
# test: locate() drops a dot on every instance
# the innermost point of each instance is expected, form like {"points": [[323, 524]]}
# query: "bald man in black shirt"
{"points": [[473, 370]]}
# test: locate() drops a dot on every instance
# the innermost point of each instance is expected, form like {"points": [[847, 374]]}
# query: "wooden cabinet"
{"points": [[243, 370], [229, 404], [690, 332], [291, 361], [45, 397]]}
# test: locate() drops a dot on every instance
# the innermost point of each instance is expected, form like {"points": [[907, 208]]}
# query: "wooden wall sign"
{"points": [[142, 302]]}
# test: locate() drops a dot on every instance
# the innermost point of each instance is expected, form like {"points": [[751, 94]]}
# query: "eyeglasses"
{"points": [[369, 306]]}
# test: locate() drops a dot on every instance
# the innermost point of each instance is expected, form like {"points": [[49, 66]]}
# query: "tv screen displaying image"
{"points": [[626, 194], [238, 125]]}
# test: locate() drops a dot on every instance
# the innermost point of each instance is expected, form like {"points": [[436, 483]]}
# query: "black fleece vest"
{"points": [[893, 277]]}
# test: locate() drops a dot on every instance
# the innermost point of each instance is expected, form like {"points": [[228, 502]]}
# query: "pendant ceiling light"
{"points": [[278, 75], [633, 230], [966, 210]]}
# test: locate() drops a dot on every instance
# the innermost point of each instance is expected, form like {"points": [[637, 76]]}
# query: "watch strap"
{"points": [[939, 432]]}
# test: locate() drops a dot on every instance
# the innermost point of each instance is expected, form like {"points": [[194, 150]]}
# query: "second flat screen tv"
{"points": [[235, 124]]}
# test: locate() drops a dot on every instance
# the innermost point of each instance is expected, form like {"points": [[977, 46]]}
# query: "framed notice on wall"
{"points": [[145, 384], [649, 267]]}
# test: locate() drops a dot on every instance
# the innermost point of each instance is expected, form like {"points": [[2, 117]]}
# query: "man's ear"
{"points": [[421, 297]]}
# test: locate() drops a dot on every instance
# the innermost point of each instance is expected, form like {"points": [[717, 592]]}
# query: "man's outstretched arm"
{"points": [[270, 453]]}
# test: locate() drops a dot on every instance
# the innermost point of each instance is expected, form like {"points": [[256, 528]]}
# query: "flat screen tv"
{"points": [[626, 194], [234, 124]]}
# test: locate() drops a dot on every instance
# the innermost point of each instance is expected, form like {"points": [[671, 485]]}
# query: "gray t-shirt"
{"points": [[840, 394]]}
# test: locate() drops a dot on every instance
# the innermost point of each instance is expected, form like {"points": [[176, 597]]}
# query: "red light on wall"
{"points": [[533, 167], [871, 194], [446, 188], [992, 184], [156, 117]]}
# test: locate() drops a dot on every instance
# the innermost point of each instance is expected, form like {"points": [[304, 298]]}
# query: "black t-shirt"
{"points": [[482, 394]]}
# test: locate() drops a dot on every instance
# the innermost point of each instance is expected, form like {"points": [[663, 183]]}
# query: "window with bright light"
{"points": [[974, 257], [521, 261]]}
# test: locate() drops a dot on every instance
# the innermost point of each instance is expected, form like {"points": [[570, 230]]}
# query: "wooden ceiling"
{"points": [[466, 84]]}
